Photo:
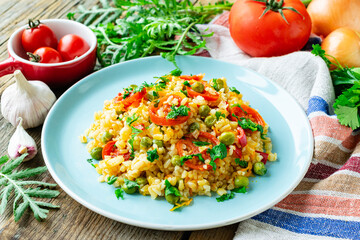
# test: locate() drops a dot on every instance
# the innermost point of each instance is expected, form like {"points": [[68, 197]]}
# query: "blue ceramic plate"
{"points": [[66, 157]]}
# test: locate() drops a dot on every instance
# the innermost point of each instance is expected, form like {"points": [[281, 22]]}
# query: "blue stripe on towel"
{"points": [[309, 225], [316, 104]]}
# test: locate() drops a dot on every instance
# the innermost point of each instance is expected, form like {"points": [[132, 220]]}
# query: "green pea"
{"points": [[194, 126], [172, 199], [159, 143], [96, 153], [129, 190], [241, 181], [141, 181], [152, 95], [204, 110], [220, 83], [133, 86], [175, 160], [210, 121], [259, 168], [198, 87], [146, 142], [106, 137], [227, 138]]}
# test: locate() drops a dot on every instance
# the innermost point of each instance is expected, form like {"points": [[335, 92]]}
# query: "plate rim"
{"points": [[157, 226]]}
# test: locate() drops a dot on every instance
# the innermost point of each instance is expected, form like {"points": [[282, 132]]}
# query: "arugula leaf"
{"points": [[183, 159], [200, 144], [241, 163], [182, 110], [233, 89], [218, 115], [218, 151], [170, 189], [186, 83], [12, 181], [111, 180], [131, 119], [91, 162], [152, 155], [130, 184], [119, 193]]}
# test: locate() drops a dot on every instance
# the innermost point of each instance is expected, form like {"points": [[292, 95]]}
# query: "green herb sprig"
{"points": [[12, 180]]}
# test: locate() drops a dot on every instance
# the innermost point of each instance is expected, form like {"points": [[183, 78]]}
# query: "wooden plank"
{"points": [[223, 233]]}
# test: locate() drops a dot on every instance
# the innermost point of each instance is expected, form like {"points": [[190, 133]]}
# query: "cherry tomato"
{"points": [[38, 35], [205, 94], [214, 141], [248, 112], [163, 121], [259, 29], [45, 55], [133, 99], [110, 149], [193, 163], [72, 46], [264, 155], [241, 137], [193, 77]]}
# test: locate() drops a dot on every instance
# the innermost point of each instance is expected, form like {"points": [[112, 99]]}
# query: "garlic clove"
{"points": [[30, 100], [21, 142]]}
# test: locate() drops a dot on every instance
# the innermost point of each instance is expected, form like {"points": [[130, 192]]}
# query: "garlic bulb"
{"points": [[21, 142], [30, 100]]}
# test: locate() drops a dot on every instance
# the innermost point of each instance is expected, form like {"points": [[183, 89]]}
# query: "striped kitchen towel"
{"points": [[326, 203]]}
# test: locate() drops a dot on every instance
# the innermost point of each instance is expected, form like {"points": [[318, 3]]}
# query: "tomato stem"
{"points": [[33, 23], [33, 57], [277, 6]]}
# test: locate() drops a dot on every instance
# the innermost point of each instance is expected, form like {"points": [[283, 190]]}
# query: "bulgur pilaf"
{"points": [[179, 137]]}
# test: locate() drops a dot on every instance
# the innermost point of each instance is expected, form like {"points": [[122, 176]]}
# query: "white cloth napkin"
{"points": [[301, 73]]}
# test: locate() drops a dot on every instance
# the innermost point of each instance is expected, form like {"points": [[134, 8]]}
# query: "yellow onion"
{"points": [[344, 45], [328, 15]]}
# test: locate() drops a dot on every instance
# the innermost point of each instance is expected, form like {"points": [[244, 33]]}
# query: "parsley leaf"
{"points": [[119, 193], [176, 72], [131, 119], [182, 110], [200, 144], [238, 105], [218, 151], [218, 115], [239, 190], [130, 184], [135, 132], [348, 116], [241, 163], [186, 83], [152, 155], [111, 180], [231, 195], [317, 51], [183, 159], [170, 189], [233, 89], [91, 162], [184, 92]]}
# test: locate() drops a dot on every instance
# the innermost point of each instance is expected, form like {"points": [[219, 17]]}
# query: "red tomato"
{"points": [[193, 163], [214, 141], [206, 95], [37, 36], [193, 77], [72, 46], [249, 113], [110, 149], [45, 55], [241, 137], [133, 99], [264, 155], [262, 33], [163, 121]]}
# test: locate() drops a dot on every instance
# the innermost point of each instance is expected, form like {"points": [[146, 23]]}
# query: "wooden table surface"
{"points": [[72, 220]]}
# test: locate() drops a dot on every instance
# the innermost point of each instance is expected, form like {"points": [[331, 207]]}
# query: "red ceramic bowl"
{"points": [[56, 75]]}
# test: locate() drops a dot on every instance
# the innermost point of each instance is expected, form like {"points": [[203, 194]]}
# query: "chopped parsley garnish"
{"points": [[184, 92], [111, 180], [130, 184], [152, 155], [91, 162], [218, 115], [170, 189], [231, 195], [200, 144], [238, 105], [218, 151], [135, 132], [241, 163], [183, 159], [176, 72], [131, 119], [233, 89], [186, 83], [182, 110], [246, 123], [119, 193], [214, 84]]}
